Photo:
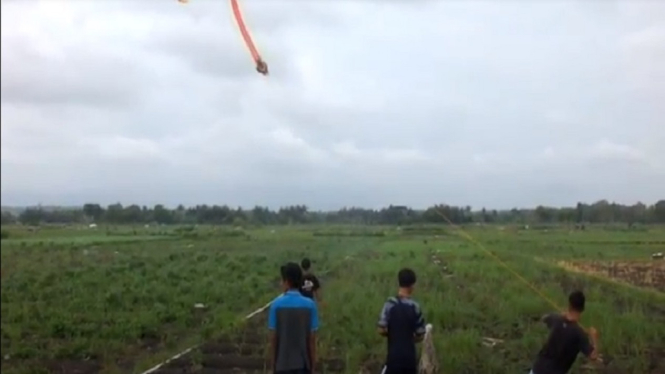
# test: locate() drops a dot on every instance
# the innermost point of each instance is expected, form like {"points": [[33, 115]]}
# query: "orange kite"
{"points": [[261, 65]]}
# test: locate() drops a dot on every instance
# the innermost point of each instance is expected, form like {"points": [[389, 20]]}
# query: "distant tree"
{"points": [[32, 216], [8, 218], [601, 211], [659, 211], [93, 211], [162, 215]]}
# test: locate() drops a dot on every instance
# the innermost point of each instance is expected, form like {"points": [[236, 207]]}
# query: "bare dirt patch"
{"points": [[649, 274], [73, 367], [244, 352]]}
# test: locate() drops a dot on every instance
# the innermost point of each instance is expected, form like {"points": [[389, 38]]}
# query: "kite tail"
{"points": [[245, 33]]}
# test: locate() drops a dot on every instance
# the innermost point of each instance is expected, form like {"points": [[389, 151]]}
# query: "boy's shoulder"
{"points": [[291, 300], [403, 300], [307, 301], [276, 301], [394, 301], [553, 318], [309, 276]]}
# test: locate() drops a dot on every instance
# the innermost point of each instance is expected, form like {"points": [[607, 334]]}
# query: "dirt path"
{"points": [[245, 352]]}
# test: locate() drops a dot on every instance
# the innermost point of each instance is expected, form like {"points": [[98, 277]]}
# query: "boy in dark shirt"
{"points": [[566, 339], [293, 321], [402, 322], [310, 285]]}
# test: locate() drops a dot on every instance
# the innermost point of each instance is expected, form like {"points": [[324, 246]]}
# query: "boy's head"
{"points": [[576, 301], [406, 279], [291, 276], [306, 264]]}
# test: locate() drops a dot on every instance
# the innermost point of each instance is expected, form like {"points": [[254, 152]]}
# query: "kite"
{"points": [[261, 65]]}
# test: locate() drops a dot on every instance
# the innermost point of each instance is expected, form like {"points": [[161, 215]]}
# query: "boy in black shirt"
{"points": [[402, 322], [310, 283], [566, 339]]}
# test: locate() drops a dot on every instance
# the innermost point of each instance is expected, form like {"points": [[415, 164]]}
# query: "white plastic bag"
{"points": [[428, 363]]}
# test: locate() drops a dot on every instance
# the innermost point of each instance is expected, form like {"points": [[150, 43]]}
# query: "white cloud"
{"points": [[607, 150], [368, 103]]}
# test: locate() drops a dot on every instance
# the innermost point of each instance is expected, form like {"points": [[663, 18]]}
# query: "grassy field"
{"points": [[121, 299]]}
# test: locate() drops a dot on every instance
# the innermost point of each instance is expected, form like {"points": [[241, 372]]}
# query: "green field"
{"points": [[121, 299]]}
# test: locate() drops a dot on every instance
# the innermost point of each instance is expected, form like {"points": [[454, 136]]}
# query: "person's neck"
{"points": [[404, 292], [572, 316]]}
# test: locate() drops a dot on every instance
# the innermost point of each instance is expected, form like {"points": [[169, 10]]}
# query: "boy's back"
{"points": [[310, 284], [404, 322], [293, 320], [565, 341]]}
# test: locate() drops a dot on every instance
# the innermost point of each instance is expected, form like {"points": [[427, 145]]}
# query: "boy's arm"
{"points": [[272, 335], [382, 324], [419, 325], [317, 289], [549, 319], [590, 348], [314, 327]]}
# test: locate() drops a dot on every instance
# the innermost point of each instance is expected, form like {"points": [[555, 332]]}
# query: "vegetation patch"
{"points": [[74, 304]]}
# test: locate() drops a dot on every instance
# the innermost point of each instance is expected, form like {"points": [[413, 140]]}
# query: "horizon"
{"points": [[247, 208]]}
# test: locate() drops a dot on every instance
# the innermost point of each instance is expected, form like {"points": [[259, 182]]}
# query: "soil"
{"points": [[650, 274], [73, 367], [657, 361], [244, 352]]}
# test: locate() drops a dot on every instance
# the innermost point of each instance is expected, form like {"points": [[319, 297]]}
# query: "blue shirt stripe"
{"points": [[293, 299]]}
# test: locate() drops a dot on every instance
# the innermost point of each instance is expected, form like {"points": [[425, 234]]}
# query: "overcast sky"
{"points": [[497, 104]]}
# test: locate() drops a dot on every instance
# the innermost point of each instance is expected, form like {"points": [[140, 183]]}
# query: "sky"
{"points": [[498, 104]]}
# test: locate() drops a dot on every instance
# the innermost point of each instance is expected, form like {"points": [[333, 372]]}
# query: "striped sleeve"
{"points": [[385, 313]]}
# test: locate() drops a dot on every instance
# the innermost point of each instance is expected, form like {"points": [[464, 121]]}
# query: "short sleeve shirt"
{"points": [[403, 320], [566, 339], [293, 318]]}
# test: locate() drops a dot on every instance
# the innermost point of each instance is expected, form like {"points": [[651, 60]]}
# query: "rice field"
{"points": [[123, 299]]}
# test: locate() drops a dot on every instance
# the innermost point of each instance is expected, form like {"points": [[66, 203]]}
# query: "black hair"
{"points": [[305, 263], [292, 274], [406, 277], [576, 301]]}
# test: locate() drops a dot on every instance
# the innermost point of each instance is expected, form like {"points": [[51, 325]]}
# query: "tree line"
{"points": [[599, 212]]}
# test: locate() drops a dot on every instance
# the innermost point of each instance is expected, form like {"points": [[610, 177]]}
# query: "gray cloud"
{"points": [[489, 103], [61, 76]]}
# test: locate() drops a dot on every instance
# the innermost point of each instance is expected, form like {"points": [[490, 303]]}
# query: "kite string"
{"points": [[497, 259], [244, 32]]}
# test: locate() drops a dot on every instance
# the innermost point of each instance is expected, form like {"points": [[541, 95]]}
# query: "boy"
{"points": [[566, 339], [293, 321], [402, 322], [310, 285]]}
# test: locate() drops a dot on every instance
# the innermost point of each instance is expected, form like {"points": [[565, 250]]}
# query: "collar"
{"points": [[292, 292]]}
